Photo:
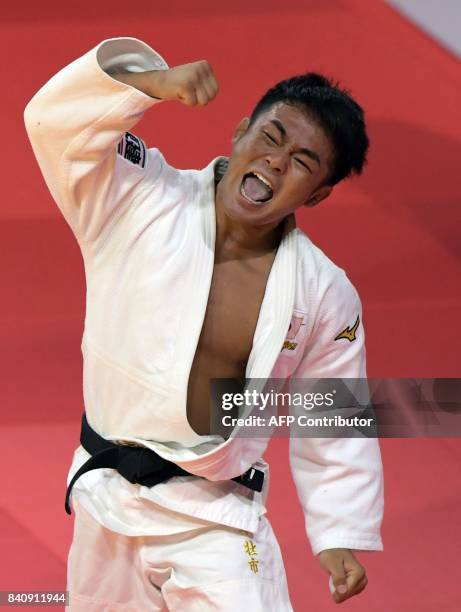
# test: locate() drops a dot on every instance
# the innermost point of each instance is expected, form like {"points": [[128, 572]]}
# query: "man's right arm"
{"points": [[78, 122], [192, 84]]}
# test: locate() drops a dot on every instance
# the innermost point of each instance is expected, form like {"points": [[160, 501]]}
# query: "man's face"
{"points": [[277, 165]]}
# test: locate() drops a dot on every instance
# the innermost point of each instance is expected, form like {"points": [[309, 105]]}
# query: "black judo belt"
{"points": [[139, 465]]}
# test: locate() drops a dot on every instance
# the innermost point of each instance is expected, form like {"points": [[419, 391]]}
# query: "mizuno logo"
{"points": [[349, 332]]}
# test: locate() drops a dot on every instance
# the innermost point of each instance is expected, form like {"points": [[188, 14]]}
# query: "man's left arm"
{"points": [[339, 480]]}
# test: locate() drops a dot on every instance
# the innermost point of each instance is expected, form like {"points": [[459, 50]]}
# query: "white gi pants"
{"points": [[211, 567]]}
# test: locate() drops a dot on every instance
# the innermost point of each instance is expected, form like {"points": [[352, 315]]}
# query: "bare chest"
{"points": [[236, 294], [235, 299]]}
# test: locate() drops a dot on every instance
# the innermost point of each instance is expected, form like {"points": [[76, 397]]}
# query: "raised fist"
{"points": [[192, 84]]}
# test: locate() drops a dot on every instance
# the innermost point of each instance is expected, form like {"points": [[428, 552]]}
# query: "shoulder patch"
{"points": [[349, 332], [133, 149]]}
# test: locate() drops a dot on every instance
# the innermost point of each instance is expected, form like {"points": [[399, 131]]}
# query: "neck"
{"points": [[243, 240]]}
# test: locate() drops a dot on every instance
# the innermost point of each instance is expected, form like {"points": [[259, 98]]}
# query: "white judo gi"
{"points": [[146, 232]]}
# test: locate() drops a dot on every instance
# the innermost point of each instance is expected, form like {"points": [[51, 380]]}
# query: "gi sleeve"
{"points": [[78, 124], [339, 480]]}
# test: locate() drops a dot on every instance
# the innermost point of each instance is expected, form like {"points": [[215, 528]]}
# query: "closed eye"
{"points": [[269, 137], [300, 161]]}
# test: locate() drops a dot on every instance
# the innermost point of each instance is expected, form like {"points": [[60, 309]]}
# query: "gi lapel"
{"points": [[277, 306]]}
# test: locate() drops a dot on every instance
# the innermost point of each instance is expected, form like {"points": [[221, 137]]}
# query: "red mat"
{"points": [[395, 231]]}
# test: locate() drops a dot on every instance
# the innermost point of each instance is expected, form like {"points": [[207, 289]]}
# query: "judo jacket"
{"points": [[146, 231]]}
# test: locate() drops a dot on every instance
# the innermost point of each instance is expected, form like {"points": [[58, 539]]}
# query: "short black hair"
{"points": [[336, 112]]}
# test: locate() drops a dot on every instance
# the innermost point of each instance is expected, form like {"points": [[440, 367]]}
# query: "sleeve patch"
{"points": [[133, 149]]}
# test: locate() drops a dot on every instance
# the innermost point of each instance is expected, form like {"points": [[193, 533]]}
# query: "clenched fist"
{"points": [[348, 576], [192, 84]]}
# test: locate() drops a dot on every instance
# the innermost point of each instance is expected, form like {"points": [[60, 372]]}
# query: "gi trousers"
{"points": [[211, 567]]}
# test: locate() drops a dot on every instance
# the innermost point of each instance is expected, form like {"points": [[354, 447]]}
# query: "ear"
{"points": [[319, 195], [240, 130]]}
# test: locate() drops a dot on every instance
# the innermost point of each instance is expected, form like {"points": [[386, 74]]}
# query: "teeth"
{"points": [[264, 180]]}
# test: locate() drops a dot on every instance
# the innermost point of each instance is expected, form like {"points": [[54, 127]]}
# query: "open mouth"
{"points": [[256, 189]]}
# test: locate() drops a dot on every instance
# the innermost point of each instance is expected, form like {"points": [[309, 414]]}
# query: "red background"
{"points": [[395, 231]]}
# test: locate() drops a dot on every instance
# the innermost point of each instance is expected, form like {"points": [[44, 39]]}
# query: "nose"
{"points": [[277, 162]]}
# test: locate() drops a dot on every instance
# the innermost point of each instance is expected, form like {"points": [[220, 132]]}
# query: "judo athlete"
{"points": [[193, 275]]}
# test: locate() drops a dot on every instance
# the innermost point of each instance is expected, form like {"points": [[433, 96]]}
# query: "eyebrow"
{"points": [[312, 154]]}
